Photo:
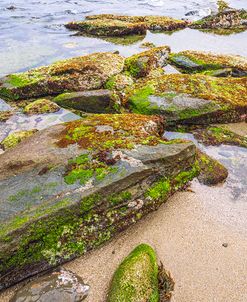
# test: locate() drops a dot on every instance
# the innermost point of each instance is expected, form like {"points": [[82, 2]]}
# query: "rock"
{"points": [[148, 45], [119, 82], [166, 284], [190, 99], [80, 183], [211, 172], [229, 19], [41, 106], [108, 27], [213, 135], [117, 25], [15, 138], [94, 101], [136, 279], [209, 63], [58, 286], [141, 64], [77, 74], [160, 23], [123, 40], [222, 6]]}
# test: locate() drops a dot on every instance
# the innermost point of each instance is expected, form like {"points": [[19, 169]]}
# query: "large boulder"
{"points": [[141, 64], [118, 25], [190, 99], [208, 63], [71, 187], [76, 74]]}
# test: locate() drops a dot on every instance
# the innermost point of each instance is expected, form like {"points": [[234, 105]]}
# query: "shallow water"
{"points": [[33, 33]]}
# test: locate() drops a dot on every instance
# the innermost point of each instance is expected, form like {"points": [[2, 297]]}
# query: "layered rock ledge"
{"points": [[71, 187]]}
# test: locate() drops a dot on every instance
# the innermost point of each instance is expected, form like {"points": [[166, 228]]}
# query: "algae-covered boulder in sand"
{"points": [[78, 184], [136, 279], [41, 106], [209, 63], [77, 74], [141, 64], [190, 99], [93, 101]]}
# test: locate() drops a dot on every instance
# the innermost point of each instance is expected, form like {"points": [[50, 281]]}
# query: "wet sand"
{"points": [[188, 239]]}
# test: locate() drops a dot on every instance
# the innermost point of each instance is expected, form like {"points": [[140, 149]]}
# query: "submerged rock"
{"points": [[141, 64], [94, 101], [213, 135], [211, 172], [209, 63], [40, 107], [229, 19], [117, 25], [190, 99], [136, 279], [76, 74], [58, 286], [78, 184], [15, 138]]}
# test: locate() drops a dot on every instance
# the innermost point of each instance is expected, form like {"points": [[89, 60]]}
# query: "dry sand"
{"points": [[187, 233]]}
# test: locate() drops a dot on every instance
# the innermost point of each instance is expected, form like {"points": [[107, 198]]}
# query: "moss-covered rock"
{"points": [[94, 101], [74, 186], [141, 64], [41, 106], [123, 40], [76, 74], [213, 135], [190, 99], [229, 19], [148, 45], [136, 279], [211, 172], [15, 138], [155, 23], [119, 82], [209, 63], [101, 27]]}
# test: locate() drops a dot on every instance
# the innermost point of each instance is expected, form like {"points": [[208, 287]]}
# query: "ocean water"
{"points": [[32, 32]]}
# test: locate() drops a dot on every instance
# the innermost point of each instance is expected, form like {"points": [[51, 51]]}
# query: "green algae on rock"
{"points": [[5, 115], [119, 82], [136, 279], [225, 19], [209, 63], [93, 101], [211, 172], [213, 135], [91, 179], [190, 99], [76, 74], [148, 45], [41, 106], [15, 138], [141, 64]]}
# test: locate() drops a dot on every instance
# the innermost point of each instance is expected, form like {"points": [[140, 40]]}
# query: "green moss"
{"points": [[136, 279], [41, 106], [119, 198], [15, 138], [159, 190]]}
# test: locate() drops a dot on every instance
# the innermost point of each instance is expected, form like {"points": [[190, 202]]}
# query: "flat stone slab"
{"points": [[71, 187], [76, 74], [190, 99], [209, 63]]}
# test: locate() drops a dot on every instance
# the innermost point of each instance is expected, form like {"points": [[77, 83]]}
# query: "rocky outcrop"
{"points": [[136, 279], [190, 99], [209, 63], [94, 101], [76, 74], [41, 106], [226, 19], [213, 135], [141, 64], [71, 187], [117, 25], [60, 285]]}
